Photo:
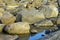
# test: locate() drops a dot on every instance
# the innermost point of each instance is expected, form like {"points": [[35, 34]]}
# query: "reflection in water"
{"points": [[37, 36]]}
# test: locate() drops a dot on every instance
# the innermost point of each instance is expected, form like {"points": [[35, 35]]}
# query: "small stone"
{"points": [[8, 18], [33, 31], [18, 28]]}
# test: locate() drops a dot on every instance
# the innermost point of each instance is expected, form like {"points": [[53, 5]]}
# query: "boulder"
{"points": [[50, 11], [7, 18], [18, 28], [45, 23], [30, 16]]}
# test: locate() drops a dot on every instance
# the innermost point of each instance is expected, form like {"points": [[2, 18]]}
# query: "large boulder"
{"points": [[18, 28], [7, 18], [30, 16], [50, 11]]}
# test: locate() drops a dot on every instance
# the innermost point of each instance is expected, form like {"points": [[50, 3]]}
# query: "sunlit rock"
{"points": [[8, 18], [18, 28], [49, 11], [45, 23], [30, 16]]}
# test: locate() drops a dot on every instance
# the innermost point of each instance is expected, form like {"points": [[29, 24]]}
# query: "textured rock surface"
{"points": [[8, 37], [31, 16], [8, 18], [49, 11], [18, 28], [44, 23]]}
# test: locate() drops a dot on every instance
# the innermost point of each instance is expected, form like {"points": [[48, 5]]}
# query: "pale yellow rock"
{"points": [[1, 12], [45, 23], [18, 28], [8, 18], [31, 16], [1, 27], [37, 2], [49, 11]]}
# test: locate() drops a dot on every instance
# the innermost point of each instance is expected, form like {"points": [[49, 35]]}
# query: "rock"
{"points": [[8, 37], [58, 2], [31, 16], [33, 31], [37, 2], [58, 20], [12, 6], [50, 11], [8, 18], [1, 1], [45, 23], [18, 28], [56, 36], [1, 27], [1, 12]]}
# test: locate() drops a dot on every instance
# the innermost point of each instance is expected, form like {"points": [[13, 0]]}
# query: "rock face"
{"points": [[31, 16], [18, 28], [8, 18], [8, 37]]}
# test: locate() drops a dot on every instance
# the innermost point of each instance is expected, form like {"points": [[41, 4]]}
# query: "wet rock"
{"points": [[18, 28], [8, 37], [45, 23], [49, 11], [31, 16], [56, 36], [8, 18], [1, 27]]}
